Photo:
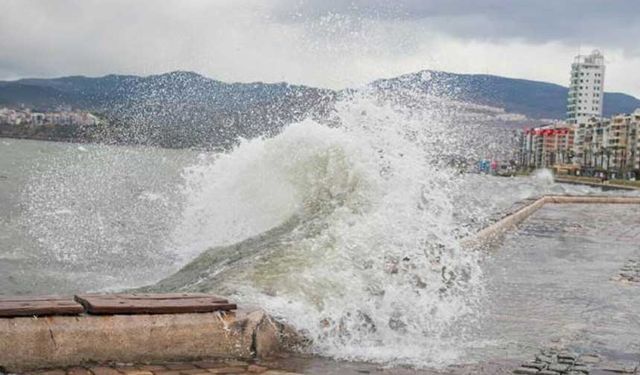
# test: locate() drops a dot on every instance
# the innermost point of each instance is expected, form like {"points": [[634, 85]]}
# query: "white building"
{"points": [[586, 91]]}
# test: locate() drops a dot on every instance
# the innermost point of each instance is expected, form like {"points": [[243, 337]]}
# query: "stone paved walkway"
{"points": [[548, 362], [287, 365], [174, 368]]}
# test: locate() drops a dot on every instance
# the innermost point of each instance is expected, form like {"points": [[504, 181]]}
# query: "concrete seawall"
{"points": [[603, 186], [60, 341], [494, 231]]}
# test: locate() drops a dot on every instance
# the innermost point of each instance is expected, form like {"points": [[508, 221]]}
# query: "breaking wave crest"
{"points": [[346, 231]]}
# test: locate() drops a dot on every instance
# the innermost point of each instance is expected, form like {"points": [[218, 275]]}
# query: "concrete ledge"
{"points": [[62, 341], [591, 199], [607, 186], [491, 233]]}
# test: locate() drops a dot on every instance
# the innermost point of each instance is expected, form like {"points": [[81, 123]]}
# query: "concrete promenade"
{"points": [[521, 212], [594, 182]]}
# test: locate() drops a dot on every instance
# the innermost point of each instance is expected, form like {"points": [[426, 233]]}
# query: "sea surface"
{"points": [[85, 217]]}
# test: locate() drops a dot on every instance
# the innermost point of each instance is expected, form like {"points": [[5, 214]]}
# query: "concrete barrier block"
{"points": [[61, 341]]}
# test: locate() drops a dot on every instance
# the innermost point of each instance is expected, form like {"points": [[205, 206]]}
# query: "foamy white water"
{"points": [[350, 232]]}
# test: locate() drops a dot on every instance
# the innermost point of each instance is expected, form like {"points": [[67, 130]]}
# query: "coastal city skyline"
{"points": [[586, 142], [309, 42]]}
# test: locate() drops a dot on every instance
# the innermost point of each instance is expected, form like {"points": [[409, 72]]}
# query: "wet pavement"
{"points": [[564, 282]]}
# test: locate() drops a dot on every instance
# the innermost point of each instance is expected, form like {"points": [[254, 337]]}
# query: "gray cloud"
{"points": [[327, 43], [610, 22]]}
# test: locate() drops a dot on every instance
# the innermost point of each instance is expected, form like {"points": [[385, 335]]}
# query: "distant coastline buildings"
{"points": [[59, 124], [63, 116], [586, 143]]}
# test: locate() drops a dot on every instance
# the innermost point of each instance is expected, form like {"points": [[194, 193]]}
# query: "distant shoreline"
{"points": [[92, 142], [47, 139], [55, 132]]}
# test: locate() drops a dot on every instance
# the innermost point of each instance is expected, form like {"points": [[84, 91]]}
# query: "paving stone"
{"points": [[51, 372], [194, 371], [256, 369], [138, 372], [566, 362], [559, 367], [236, 363], [180, 366], [544, 358], [580, 368], [152, 368], [227, 370], [547, 372], [565, 355], [536, 365], [604, 372], [525, 371], [209, 364], [123, 367], [168, 372], [78, 371], [620, 369], [589, 358], [104, 371]]}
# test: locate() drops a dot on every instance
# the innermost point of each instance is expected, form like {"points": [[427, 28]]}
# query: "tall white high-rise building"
{"points": [[586, 91]]}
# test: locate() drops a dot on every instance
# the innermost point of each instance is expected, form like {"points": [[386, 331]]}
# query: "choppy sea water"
{"points": [[350, 231], [85, 217]]}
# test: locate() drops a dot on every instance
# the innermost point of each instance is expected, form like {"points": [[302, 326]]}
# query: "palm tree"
{"points": [[600, 153], [607, 151]]}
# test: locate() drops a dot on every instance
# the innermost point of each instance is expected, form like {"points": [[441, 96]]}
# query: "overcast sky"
{"points": [[327, 43]]}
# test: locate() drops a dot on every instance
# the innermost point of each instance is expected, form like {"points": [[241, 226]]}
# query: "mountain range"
{"points": [[533, 99], [177, 109], [184, 109]]}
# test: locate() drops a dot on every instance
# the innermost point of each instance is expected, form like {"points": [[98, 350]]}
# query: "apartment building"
{"points": [[548, 145], [586, 89]]}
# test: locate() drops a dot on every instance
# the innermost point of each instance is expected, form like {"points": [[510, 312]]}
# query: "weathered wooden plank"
{"points": [[15, 307], [152, 304], [35, 298], [156, 296]]}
